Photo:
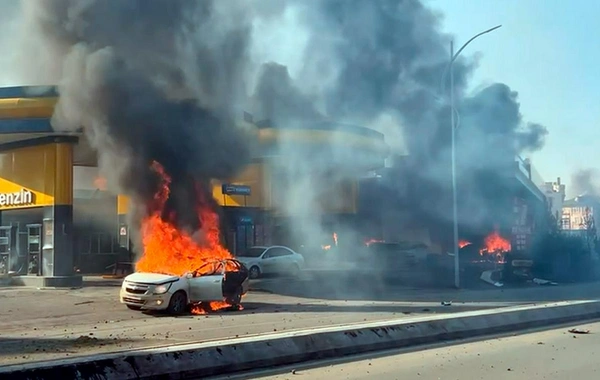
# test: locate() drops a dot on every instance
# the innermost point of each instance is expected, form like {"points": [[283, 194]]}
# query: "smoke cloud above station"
{"points": [[166, 81]]}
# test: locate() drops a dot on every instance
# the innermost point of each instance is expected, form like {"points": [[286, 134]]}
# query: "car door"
{"points": [[267, 261], [282, 259], [207, 287]]}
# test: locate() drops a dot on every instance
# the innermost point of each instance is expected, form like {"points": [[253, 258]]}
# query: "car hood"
{"points": [[151, 278]]}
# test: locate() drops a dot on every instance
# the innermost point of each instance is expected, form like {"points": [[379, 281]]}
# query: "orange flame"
{"points": [[327, 247], [494, 244], [463, 243], [368, 242], [168, 250]]}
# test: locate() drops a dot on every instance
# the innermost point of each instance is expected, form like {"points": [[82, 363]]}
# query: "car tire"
{"points": [[236, 298], [132, 307], [178, 303], [254, 272], [294, 270]]}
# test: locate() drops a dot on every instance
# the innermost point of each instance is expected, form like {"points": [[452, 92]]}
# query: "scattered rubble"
{"points": [[492, 277], [86, 339], [540, 281], [579, 331]]}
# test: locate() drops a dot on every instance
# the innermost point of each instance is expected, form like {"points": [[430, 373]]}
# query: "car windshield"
{"points": [[253, 252]]}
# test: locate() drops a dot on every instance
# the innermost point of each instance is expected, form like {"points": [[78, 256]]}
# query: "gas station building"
{"points": [[57, 221]]}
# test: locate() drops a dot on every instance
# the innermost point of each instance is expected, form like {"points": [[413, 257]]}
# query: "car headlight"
{"points": [[162, 289]]}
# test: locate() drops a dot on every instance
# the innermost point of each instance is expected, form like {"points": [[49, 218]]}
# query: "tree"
{"points": [[588, 224], [565, 257]]}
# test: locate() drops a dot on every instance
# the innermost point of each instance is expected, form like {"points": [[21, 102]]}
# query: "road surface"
{"points": [[551, 355], [51, 324]]}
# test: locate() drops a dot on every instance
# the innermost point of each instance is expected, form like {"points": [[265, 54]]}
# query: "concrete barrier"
{"points": [[234, 355]]}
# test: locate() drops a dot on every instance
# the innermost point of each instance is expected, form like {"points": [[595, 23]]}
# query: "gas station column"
{"points": [[122, 208], [57, 224]]}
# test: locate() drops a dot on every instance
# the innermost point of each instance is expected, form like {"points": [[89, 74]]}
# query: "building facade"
{"points": [[555, 193], [579, 215], [57, 220]]}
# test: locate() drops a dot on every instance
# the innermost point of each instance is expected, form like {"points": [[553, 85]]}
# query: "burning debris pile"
{"points": [[494, 248]]}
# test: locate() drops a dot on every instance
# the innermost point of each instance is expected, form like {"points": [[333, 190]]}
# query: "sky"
{"points": [[549, 52]]}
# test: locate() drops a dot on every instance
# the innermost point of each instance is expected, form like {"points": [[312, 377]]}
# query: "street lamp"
{"points": [[453, 116]]}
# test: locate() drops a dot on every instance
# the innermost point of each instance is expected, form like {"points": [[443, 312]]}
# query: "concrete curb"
{"points": [[233, 355]]}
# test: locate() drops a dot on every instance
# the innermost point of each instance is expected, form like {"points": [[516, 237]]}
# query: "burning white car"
{"points": [[213, 282]]}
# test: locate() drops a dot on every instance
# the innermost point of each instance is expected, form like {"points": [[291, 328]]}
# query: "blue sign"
{"points": [[228, 189], [246, 220]]}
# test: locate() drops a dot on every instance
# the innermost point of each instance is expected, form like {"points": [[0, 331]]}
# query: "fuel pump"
{"points": [[34, 246], [8, 241]]}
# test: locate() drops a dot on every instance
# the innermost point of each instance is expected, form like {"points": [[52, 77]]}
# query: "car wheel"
{"points": [[178, 303], [236, 298], [294, 270], [254, 272], [132, 307]]}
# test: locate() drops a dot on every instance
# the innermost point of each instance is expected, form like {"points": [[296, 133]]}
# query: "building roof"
{"points": [[582, 201], [28, 92]]}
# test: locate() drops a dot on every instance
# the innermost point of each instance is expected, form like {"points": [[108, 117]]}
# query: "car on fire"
{"points": [[275, 259], [223, 280]]}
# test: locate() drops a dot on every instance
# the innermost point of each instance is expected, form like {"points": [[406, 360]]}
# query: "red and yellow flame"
{"points": [[368, 242], [463, 243], [494, 243], [169, 250]]}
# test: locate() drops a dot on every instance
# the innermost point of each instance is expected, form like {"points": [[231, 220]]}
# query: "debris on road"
{"points": [[579, 331], [83, 303], [540, 281], [492, 277], [86, 339]]}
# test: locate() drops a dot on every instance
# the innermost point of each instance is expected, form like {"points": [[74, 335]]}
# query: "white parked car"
{"points": [[155, 291], [272, 260]]}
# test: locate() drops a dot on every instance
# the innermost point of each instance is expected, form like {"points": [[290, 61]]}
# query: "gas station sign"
{"points": [[229, 189], [522, 229]]}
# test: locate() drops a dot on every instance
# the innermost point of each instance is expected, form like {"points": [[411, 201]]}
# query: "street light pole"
{"points": [[454, 195], [453, 57]]}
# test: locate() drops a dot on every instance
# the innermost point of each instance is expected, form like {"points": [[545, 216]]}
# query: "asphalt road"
{"points": [[554, 354], [51, 324]]}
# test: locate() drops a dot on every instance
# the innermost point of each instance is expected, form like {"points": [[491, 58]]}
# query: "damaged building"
{"points": [[59, 220]]}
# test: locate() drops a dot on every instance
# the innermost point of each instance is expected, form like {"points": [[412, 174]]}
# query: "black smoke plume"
{"points": [[586, 182], [151, 81], [371, 60], [163, 80]]}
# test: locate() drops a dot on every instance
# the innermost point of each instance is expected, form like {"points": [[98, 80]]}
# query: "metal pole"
{"points": [[453, 57], [454, 202]]}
